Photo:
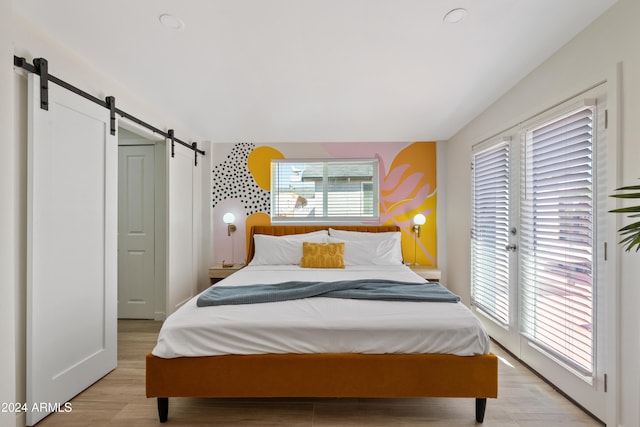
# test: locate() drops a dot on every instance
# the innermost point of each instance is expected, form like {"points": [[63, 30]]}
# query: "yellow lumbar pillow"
{"points": [[322, 255]]}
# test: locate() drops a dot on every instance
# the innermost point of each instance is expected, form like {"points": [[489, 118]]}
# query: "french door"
{"points": [[494, 291], [537, 239]]}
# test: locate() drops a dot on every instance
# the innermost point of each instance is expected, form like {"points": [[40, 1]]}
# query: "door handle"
{"points": [[510, 247]]}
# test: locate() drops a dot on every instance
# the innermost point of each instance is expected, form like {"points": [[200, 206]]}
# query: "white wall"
{"points": [[9, 228], [590, 58]]}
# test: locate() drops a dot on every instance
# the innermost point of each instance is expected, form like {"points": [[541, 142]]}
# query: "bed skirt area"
{"points": [[323, 375]]}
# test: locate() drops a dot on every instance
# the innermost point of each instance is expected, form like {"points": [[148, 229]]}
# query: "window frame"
{"points": [[324, 183], [556, 116], [483, 289]]}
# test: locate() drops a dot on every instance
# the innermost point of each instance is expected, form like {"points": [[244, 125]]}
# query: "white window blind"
{"points": [[557, 239], [490, 232], [321, 190]]}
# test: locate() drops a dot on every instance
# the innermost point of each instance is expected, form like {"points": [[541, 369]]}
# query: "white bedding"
{"points": [[321, 325]]}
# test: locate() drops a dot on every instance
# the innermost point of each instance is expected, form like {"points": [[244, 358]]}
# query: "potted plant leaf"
{"points": [[630, 233]]}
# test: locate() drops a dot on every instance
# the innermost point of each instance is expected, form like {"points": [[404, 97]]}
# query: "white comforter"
{"points": [[321, 325]]}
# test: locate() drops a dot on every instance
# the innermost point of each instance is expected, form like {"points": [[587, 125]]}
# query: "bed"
{"points": [[227, 362]]}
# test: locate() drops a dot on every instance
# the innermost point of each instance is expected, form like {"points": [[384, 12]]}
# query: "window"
{"points": [[324, 190], [557, 238], [490, 232]]}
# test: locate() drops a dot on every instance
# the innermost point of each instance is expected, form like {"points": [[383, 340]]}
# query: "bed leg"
{"points": [[481, 405], [163, 409]]}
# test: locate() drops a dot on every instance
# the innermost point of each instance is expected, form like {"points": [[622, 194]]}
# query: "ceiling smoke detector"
{"points": [[172, 22], [455, 15]]}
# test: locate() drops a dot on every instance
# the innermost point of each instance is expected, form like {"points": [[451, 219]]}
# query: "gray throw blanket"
{"points": [[374, 289]]}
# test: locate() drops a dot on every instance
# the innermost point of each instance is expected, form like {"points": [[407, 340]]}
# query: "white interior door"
{"points": [[136, 226], [71, 249]]}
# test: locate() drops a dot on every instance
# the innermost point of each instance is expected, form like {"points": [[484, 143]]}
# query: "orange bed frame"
{"points": [[322, 375]]}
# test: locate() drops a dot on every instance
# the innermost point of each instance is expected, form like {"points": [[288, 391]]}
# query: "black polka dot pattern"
{"points": [[232, 180]]}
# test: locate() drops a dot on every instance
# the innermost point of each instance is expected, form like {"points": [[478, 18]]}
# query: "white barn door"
{"points": [[71, 249], [182, 281]]}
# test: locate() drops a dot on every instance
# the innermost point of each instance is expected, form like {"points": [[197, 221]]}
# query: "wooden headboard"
{"points": [[283, 230]]}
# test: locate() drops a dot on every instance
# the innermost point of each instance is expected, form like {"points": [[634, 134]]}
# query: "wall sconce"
{"points": [[228, 219], [418, 220]]}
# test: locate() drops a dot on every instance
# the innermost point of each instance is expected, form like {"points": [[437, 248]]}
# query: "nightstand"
{"points": [[427, 272], [218, 272]]}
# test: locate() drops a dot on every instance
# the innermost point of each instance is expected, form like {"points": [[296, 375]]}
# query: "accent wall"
{"points": [[241, 183]]}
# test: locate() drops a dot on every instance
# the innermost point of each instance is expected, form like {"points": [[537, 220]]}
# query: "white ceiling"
{"points": [[315, 70]]}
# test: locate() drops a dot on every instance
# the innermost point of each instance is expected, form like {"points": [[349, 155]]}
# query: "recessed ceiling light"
{"points": [[172, 22], [455, 15]]}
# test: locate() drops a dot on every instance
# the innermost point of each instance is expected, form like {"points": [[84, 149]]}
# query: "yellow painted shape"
{"points": [[415, 249], [259, 164], [420, 157]]}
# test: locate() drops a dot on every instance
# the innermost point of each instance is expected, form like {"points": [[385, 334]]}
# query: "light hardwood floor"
{"points": [[119, 399]]}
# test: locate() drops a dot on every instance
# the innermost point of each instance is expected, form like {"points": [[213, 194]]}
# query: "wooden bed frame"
{"points": [[322, 375]]}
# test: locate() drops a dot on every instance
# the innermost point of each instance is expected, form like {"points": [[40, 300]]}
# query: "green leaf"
{"points": [[631, 241], [631, 244], [630, 187], [627, 196], [630, 233], [634, 226], [626, 210]]}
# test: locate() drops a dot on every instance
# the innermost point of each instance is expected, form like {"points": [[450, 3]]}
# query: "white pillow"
{"points": [[383, 249], [362, 235], [283, 250]]}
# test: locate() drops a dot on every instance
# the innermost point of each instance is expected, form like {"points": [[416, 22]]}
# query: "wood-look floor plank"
{"points": [[119, 399]]}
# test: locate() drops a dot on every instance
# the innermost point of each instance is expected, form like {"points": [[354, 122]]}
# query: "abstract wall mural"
{"points": [[233, 180], [409, 188], [241, 185]]}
